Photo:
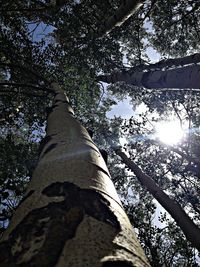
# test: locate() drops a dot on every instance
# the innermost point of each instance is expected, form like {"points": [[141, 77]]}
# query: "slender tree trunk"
{"points": [[71, 215], [126, 9], [191, 231], [185, 77]]}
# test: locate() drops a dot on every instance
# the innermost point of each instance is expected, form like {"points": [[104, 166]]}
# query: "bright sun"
{"points": [[169, 132]]}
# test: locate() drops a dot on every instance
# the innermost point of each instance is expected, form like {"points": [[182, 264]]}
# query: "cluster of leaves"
{"points": [[18, 156], [180, 27], [69, 51]]}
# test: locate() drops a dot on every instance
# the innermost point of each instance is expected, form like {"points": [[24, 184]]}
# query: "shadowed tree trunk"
{"points": [[71, 214], [191, 231], [126, 9], [185, 77]]}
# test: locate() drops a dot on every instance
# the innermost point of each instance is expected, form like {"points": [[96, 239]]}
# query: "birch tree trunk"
{"points": [[126, 9], [191, 230], [71, 215], [185, 77]]}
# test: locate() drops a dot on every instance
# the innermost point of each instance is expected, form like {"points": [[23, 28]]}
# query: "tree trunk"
{"points": [[126, 9], [71, 214], [167, 63], [185, 77], [191, 231]]}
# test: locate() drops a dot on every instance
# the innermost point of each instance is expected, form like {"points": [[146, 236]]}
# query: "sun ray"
{"points": [[169, 132]]}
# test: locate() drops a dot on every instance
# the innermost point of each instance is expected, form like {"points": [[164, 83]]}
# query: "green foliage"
{"points": [[175, 27], [41, 43]]}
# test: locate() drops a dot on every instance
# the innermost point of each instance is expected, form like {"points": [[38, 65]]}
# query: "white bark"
{"points": [[185, 77], [126, 9], [71, 214]]}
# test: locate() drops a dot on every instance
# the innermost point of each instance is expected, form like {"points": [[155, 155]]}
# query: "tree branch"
{"points": [[21, 67], [191, 230], [126, 9], [37, 87]]}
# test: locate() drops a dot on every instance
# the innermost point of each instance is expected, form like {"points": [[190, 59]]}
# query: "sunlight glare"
{"points": [[169, 132], [122, 141]]}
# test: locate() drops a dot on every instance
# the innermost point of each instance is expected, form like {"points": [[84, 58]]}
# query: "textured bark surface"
{"points": [[71, 214], [191, 231], [126, 9], [185, 77]]}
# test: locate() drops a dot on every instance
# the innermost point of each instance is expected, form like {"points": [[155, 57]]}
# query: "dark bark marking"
{"points": [[104, 154], [95, 205], [59, 189], [61, 101], [90, 132], [50, 109], [49, 148], [117, 264], [101, 169], [92, 202], [43, 143], [51, 226]]}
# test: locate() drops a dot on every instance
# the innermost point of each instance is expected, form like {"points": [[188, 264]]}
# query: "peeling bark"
{"points": [[71, 214], [191, 230], [126, 9], [185, 77]]}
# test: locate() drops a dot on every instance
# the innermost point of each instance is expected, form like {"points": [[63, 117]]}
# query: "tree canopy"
{"points": [[81, 45]]}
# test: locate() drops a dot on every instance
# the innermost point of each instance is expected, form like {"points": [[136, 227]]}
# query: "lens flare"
{"points": [[169, 133]]}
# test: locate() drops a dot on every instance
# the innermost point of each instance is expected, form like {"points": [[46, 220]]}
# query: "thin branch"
{"points": [[147, 15], [24, 9], [103, 92], [37, 87], [184, 16], [21, 67], [177, 151], [177, 113]]}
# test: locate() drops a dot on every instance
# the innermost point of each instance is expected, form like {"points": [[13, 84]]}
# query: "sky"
{"points": [[125, 110]]}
